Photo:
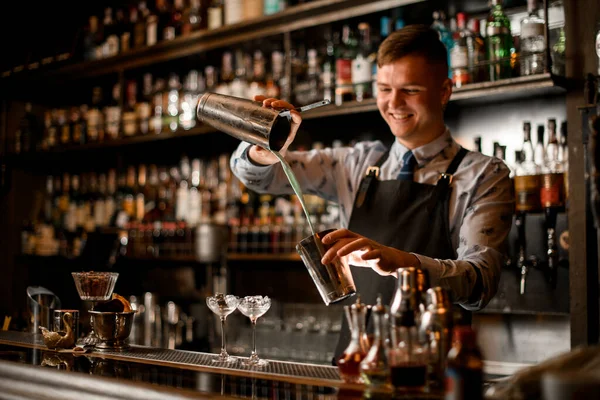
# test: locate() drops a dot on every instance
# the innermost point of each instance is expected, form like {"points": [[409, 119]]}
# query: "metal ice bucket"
{"points": [[41, 303], [113, 328], [245, 119]]}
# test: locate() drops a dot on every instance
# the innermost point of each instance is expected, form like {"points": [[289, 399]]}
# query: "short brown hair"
{"points": [[413, 39]]}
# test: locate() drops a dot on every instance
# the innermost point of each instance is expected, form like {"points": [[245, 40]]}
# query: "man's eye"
{"points": [[384, 89], [411, 91]]}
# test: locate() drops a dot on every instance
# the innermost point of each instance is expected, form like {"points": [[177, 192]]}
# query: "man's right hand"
{"points": [[263, 156]]}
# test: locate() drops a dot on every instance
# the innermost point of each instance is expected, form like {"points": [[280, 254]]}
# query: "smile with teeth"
{"points": [[400, 117]]}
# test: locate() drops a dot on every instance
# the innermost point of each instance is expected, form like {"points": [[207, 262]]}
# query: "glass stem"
{"points": [[223, 351], [253, 320]]}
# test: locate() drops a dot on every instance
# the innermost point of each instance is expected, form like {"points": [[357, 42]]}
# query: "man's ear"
{"points": [[446, 91]]}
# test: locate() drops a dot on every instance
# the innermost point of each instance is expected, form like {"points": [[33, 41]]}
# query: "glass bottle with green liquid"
{"points": [[499, 42]]}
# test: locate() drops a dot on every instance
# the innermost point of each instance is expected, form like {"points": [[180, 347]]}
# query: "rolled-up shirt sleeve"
{"points": [[473, 277], [313, 169]]}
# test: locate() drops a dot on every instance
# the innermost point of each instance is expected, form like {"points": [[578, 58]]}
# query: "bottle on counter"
{"points": [[375, 367], [464, 373]]}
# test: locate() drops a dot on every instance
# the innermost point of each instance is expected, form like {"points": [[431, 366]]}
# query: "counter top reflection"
{"points": [[29, 370]]}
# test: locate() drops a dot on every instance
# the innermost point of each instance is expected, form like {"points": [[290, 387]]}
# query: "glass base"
{"points": [[224, 359], [254, 361]]}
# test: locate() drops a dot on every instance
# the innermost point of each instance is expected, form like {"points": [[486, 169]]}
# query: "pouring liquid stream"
{"points": [[295, 186]]}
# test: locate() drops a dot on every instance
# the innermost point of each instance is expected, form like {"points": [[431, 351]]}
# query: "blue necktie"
{"points": [[408, 166]]}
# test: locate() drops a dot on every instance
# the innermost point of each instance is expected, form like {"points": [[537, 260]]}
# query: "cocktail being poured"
{"points": [[269, 128]]}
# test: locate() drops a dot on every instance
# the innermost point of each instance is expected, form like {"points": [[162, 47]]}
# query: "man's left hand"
{"points": [[363, 252]]}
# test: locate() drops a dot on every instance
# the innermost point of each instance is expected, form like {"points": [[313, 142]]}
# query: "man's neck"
{"points": [[422, 140]]}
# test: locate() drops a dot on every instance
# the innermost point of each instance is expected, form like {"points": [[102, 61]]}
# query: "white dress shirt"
{"points": [[480, 209]]}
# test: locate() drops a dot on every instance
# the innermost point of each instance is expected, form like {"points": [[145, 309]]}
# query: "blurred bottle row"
{"points": [[158, 207]]}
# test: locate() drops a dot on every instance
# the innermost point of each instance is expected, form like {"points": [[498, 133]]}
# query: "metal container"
{"points": [[436, 330], [334, 280], [112, 328], [245, 119], [211, 242], [41, 303], [59, 323]]}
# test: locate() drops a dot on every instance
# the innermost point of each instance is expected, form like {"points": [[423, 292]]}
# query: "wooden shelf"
{"points": [[292, 19], [51, 260], [484, 92], [476, 93]]}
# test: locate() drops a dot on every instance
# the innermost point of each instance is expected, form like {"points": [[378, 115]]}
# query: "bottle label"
{"points": [[361, 70], [459, 57], [552, 190], [527, 191], [151, 34], [129, 123], [344, 71], [532, 29], [215, 18], [234, 11]]}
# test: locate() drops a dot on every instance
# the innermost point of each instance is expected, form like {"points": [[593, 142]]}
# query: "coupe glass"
{"points": [[254, 307], [223, 305], [94, 286]]}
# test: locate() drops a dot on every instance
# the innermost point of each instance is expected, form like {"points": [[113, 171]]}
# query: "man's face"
{"points": [[411, 94]]}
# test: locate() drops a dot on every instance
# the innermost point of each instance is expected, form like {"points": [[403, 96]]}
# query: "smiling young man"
{"points": [[430, 203]]}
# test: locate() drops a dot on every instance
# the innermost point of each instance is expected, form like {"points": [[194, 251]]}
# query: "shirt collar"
{"points": [[425, 153]]}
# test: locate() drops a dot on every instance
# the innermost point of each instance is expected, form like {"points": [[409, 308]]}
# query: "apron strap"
{"points": [[365, 184], [445, 179]]}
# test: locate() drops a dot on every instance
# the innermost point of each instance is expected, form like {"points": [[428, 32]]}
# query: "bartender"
{"points": [[425, 202]]}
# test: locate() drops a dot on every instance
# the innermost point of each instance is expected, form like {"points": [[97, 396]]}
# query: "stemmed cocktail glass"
{"points": [[254, 307], [223, 305], [94, 286]]}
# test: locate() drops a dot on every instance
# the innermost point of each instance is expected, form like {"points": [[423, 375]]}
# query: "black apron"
{"points": [[406, 215]]}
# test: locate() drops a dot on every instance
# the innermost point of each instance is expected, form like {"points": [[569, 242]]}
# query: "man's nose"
{"points": [[397, 99]]}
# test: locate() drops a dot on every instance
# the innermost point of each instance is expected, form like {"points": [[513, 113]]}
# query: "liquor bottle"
{"points": [[499, 42], [111, 44], [137, 19], [539, 153], [258, 85], [408, 357], [77, 126], [362, 64], [215, 14], [113, 113], [173, 102], [533, 42], [122, 30], [130, 125], [344, 90], [527, 183], [166, 29], [95, 119], [375, 368], [63, 127], [252, 9], [464, 373], [195, 18], [193, 208], [158, 106], [239, 85], [89, 41], [459, 55], [177, 17], [439, 24], [552, 189], [189, 100], [143, 107], [227, 74], [328, 68], [233, 11], [477, 56], [559, 53], [272, 84], [152, 28]]}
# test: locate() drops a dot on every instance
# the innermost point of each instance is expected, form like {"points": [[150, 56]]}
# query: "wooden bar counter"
{"points": [[28, 370]]}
